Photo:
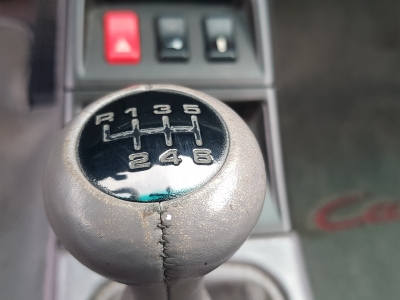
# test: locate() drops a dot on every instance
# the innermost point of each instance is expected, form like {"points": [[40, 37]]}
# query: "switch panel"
{"points": [[172, 44], [172, 39], [219, 38], [122, 37]]}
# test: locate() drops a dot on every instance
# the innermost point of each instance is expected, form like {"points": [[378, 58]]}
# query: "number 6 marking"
{"points": [[202, 156]]}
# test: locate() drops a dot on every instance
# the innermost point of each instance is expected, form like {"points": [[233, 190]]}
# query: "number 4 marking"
{"points": [[170, 156]]}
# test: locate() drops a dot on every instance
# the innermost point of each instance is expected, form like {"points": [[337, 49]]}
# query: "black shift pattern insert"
{"points": [[152, 146]]}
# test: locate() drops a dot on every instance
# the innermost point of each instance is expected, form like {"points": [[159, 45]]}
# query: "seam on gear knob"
{"points": [[163, 241]]}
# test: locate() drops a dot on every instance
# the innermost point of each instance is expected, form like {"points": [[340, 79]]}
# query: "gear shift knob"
{"points": [[155, 185]]}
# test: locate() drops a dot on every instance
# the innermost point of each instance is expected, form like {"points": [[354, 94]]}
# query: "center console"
{"points": [[221, 48]]}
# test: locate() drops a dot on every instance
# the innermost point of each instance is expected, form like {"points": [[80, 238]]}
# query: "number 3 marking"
{"points": [[162, 109]]}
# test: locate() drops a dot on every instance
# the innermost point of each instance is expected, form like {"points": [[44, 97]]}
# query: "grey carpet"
{"points": [[338, 78]]}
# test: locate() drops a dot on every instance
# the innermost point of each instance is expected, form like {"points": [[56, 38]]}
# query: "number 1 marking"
{"points": [[132, 110]]}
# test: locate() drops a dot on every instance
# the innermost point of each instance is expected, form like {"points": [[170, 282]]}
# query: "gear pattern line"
{"points": [[136, 133]]}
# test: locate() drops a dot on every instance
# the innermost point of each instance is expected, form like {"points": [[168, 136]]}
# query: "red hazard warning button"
{"points": [[122, 37]]}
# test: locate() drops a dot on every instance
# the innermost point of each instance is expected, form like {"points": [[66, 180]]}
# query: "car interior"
{"points": [[199, 149]]}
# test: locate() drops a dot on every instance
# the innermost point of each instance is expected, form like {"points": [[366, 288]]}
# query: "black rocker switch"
{"points": [[172, 39], [219, 36]]}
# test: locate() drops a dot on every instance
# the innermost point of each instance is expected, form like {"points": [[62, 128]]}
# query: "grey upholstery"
{"points": [[24, 141]]}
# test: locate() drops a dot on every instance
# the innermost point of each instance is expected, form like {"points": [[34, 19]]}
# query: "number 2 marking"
{"points": [[139, 161]]}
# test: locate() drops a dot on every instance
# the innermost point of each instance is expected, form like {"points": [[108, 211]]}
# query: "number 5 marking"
{"points": [[191, 109]]}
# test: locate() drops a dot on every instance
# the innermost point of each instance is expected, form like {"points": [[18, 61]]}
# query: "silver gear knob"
{"points": [[155, 185]]}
